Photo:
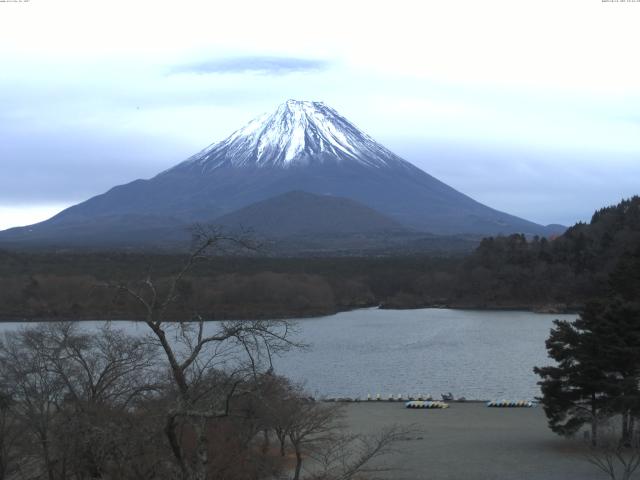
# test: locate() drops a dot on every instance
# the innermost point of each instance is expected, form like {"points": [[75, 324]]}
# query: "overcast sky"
{"points": [[532, 107]]}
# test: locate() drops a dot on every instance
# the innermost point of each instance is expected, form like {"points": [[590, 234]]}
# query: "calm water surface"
{"points": [[475, 354]]}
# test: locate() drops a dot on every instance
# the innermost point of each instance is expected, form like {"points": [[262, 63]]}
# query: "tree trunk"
{"points": [[282, 439], [266, 442], [296, 475], [202, 449], [47, 457], [172, 437], [626, 439], [176, 370], [594, 422]]}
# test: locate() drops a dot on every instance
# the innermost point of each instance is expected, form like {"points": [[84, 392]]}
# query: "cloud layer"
{"points": [[265, 65]]}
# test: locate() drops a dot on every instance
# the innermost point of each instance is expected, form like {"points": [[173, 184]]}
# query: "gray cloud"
{"points": [[264, 65]]}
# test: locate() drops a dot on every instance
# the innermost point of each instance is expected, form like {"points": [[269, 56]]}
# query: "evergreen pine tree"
{"points": [[573, 391], [597, 374]]}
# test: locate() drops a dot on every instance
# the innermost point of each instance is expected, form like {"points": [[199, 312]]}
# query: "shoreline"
{"points": [[559, 309], [546, 309], [347, 400]]}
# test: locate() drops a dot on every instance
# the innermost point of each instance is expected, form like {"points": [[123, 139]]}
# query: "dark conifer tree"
{"points": [[619, 327], [573, 391], [598, 359]]}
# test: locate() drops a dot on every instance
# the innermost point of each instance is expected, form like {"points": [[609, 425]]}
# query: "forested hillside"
{"points": [[560, 273], [503, 272]]}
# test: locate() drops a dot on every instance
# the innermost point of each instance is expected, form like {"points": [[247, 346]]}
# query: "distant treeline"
{"points": [[71, 285], [503, 272]]}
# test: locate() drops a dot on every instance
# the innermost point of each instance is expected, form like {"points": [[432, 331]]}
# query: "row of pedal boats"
{"points": [[491, 404]]}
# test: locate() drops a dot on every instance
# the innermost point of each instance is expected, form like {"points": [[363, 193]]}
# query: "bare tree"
{"points": [[316, 432], [71, 392], [106, 367], [616, 456], [280, 401], [311, 426], [10, 434], [38, 392], [192, 352], [104, 374], [348, 456], [188, 399]]}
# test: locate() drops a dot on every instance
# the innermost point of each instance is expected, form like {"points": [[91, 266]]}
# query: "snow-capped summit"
{"points": [[297, 133]]}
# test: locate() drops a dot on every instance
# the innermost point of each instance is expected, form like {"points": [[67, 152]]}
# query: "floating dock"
{"points": [[510, 404], [425, 404]]}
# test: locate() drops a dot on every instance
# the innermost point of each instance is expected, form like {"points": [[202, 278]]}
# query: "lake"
{"points": [[475, 354]]}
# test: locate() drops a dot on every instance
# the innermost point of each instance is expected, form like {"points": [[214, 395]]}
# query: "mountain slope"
{"points": [[302, 213], [304, 146], [121, 231]]}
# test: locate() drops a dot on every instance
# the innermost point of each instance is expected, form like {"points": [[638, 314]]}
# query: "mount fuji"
{"points": [[303, 147]]}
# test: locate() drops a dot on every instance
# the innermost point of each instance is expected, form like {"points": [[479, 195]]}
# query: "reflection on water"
{"points": [[475, 354]]}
